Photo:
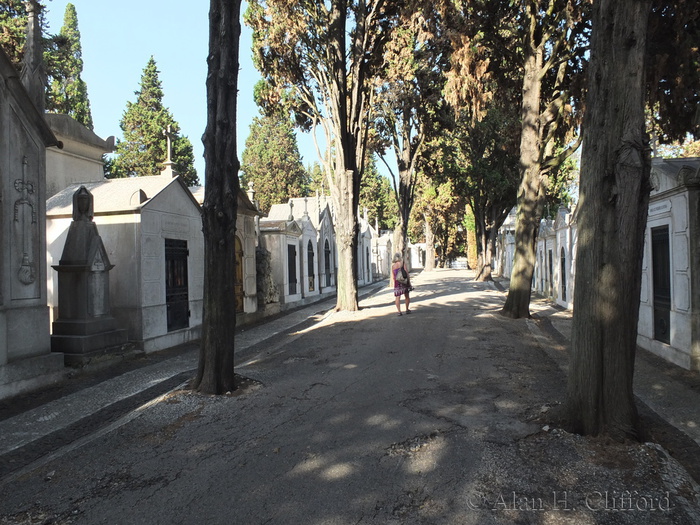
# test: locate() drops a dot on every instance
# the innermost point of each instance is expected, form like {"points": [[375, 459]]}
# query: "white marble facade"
{"points": [[363, 255], [669, 310], [669, 306], [318, 211], [143, 221], [282, 238], [80, 157], [26, 360]]}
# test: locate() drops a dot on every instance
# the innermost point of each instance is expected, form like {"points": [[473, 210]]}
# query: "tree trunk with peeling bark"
{"points": [[530, 195], [612, 213], [429, 244], [215, 374]]}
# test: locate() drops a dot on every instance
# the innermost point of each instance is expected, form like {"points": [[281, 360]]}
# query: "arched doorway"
{"points": [[368, 265], [310, 266], [238, 280], [563, 275], [327, 262]]}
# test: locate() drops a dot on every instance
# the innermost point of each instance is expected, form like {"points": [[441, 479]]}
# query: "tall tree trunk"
{"points": [[472, 251], [487, 240], [407, 188], [215, 373], [400, 236], [532, 190], [429, 244], [612, 213], [346, 241]]}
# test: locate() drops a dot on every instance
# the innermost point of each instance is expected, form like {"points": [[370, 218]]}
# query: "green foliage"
{"points": [[409, 105], [67, 92], [691, 148], [142, 151], [673, 69], [271, 161], [478, 161], [316, 179], [318, 61], [377, 196], [562, 189], [13, 27], [441, 205]]}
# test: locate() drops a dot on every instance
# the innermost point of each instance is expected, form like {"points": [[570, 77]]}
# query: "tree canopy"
{"points": [[13, 27], [408, 103], [142, 150], [271, 161], [67, 93], [319, 60], [377, 197]]}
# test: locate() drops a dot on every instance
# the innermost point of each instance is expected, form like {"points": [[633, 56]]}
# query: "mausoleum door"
{"points": [[310, 263], [563, 275], [292, 268], [238, 279], [327, 262], [368, 263], [661, 268], [176, 284]]}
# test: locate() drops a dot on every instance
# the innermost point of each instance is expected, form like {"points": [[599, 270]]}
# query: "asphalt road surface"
{"points": [[365, 417]]}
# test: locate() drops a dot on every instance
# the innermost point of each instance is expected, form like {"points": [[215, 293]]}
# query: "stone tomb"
{"points": [[316, 210], [152, 230], [26, 361], [84, 329], [669, 310]]}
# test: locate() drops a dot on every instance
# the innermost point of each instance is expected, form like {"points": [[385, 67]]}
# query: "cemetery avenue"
{"points": [[355, 417]]}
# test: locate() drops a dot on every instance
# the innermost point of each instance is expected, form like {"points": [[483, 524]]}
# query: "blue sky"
{"points": [[117, 40]]}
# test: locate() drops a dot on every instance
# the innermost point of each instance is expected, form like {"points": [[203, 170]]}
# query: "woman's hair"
{"points": [[397, 257]]}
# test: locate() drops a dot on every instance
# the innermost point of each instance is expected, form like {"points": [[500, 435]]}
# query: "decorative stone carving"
{"points": [[267, 288], [84, 328], [688, 176], [25, 215]]}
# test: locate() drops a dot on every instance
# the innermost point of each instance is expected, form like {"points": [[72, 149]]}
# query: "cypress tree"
{"points": [[13, 28], [67, 92], [271, 161], [142, 151]]}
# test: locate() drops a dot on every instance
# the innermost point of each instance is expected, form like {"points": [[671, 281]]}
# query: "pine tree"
{"points": [[271, 161], [377, 196], [142, 151], [13, 25], [67, 91]]}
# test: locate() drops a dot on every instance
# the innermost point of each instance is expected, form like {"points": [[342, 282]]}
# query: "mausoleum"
{"points": [[26, 361], [669, 310], [151, 228]]}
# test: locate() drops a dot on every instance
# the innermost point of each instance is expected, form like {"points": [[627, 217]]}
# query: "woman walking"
{"points": [[402, 285]]}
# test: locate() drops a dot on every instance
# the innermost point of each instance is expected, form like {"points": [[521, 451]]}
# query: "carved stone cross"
{"points": [[169, 135]]}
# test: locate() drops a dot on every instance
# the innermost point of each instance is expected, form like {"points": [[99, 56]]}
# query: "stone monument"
{"points": [[84, 328]]}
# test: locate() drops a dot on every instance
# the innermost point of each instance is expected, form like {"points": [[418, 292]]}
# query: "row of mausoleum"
{"points": [[92, 267], [669, 303]]}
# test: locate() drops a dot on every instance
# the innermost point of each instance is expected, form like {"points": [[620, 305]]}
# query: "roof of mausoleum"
{"points": [[115, 195], [666, 173], [279, 226], [245, 206], [66, 127], [15, 87], [315, 207]]}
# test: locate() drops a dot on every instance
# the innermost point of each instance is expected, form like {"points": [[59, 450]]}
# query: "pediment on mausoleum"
{"points": [[245, 206], [562, 218], [668, 174]]}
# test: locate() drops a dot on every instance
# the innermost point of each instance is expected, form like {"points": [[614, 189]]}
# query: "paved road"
{"points": [[361, 417]]}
